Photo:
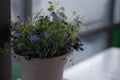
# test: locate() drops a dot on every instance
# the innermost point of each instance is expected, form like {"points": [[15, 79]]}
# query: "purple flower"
{"points": [[34, 38], [65, 34], [19, 35], [20, 18], [47, 35], [55, 31], [54, 17], [74, 26], [78, 35]]}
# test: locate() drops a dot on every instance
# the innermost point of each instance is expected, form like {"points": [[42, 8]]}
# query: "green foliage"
{"points": [[46, 38], [62, 8], [50, 2], [6, 48], [51, 8], [74, 12]]}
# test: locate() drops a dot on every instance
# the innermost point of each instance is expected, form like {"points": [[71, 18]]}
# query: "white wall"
{"points": [[93, 10], [117, 12]]}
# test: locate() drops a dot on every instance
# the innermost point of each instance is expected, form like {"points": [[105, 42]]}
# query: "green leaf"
{"points": [[74, 12], [62, 8], [51, 8], [50, 2], [38, 14]]}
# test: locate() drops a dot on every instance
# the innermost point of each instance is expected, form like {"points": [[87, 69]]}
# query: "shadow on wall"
{"points": [[4, 35], [4, 21]]}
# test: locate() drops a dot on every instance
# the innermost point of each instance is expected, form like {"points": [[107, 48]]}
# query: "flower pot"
{"points": [[5, 66], [41, 69]]}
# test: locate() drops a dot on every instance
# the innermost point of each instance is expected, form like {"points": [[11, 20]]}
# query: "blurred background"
{"points": [[102, 18]]}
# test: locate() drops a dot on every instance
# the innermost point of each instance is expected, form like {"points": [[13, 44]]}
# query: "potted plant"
{"points": [[42, 45], [5, 62]]}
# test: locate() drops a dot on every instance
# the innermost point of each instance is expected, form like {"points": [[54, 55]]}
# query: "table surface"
{"points": [[102, 66]]}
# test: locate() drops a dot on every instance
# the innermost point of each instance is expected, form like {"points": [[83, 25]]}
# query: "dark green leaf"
{"points": [[50, 2], [51, 8]]}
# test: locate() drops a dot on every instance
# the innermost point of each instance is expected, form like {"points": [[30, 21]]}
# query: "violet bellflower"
{"points": [[54, 16], [19, 35], [55, 31], [46, 35], [65, 34], [33, 38], [20, 18]]}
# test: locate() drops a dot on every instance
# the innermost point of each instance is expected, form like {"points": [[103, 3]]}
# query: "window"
{"points": [[94, 11], [98, 18], [117, 12], [17, 9]]}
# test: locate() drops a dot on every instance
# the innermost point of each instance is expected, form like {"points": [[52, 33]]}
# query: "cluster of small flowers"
{"points": [[46, 38]]}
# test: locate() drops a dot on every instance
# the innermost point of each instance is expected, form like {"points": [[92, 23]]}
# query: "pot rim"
{"points": [[19, 56]]}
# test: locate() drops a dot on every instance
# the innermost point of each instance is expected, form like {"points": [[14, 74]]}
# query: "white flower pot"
{"points": [[42, 69]]}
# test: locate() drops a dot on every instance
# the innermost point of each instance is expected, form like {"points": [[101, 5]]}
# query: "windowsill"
{"points": [[103, 66]]}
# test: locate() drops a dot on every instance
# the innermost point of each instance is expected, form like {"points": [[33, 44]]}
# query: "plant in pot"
{"points": [[42, 45]]}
